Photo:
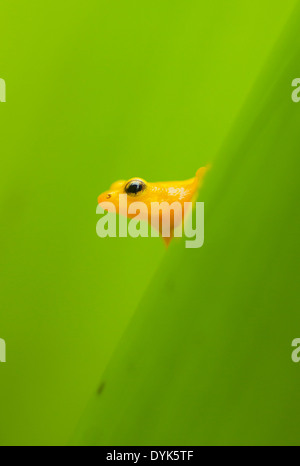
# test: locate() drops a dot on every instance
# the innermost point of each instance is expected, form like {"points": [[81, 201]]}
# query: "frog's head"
{"points": [[135, 189]]}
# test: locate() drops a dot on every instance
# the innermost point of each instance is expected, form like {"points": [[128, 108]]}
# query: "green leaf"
{"points": [[207, 357]]}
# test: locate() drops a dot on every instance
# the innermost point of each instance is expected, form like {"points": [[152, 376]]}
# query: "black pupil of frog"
{"points": [[134, 187]]}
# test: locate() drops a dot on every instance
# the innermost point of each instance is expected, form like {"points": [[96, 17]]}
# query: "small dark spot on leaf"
{"points": [[101, 388]]}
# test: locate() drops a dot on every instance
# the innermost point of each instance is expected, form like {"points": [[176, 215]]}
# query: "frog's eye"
{"points": [[134, 187]]}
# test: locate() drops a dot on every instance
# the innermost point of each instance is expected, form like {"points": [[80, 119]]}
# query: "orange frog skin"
{"points": [[139, 190]]}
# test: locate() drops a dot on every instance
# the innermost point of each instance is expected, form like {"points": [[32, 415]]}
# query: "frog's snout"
{"points": [[104, 197]]}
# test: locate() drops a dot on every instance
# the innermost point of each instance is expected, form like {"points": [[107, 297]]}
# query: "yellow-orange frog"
{"points": [[139, 190]]}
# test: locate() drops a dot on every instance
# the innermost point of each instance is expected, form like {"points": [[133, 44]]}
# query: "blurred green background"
{"points": [[196, 347]]}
